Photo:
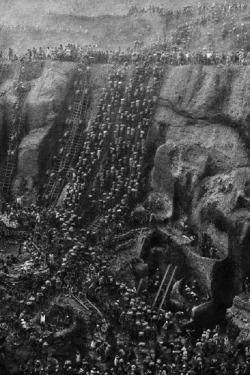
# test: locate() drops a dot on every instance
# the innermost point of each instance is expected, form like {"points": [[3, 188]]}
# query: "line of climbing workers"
{"points": [[16, 131], [71, 141]]}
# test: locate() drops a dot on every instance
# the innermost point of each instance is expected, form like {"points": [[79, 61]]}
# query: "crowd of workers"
{"points": [[127, 335], [118, 135], [214, 9], [174, 50], [216, 12], [63, 257], [169, 55], [16, 132], [71, 142]]}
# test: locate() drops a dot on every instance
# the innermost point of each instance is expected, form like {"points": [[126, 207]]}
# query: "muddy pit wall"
{"points": [[201, 166], [160, 249], [46, 107], [8, 75], [44, 110]]}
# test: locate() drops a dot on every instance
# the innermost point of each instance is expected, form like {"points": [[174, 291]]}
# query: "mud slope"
{"points": [[44, 113], [202, 165]]}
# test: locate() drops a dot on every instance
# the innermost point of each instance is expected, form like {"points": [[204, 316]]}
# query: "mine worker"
{"points": [[8, 261], [78, 359], [19, 203], [43, 321], [58, 284], [29, 54], [246, 285], [45, 347], [19, 251], [153, 221], [39, 297], [5, 268], [40, 53], [37, 367], [67, 321], [2, 235], [34, 53], [10, 54]]}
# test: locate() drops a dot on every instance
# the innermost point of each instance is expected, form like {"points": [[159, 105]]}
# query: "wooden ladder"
{"points": [[168, 287], [169, 274]]}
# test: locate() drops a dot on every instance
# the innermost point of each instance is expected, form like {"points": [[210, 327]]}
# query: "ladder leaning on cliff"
{"points": [[166, 282], [16, 132], [73, 146], [79, 109]]}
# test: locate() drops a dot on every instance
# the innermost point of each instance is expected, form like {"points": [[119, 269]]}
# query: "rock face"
{"points": [[29, 162], [45, 101], [7, 100], [1, 131], [45, 111], [162, 247], [202, 164]]}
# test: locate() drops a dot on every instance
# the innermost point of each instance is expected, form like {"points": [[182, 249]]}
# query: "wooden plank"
{"points": [[139, 285], [167, 288], [161, 285]]}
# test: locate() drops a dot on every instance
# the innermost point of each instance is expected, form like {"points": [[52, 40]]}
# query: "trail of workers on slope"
{"points": [[72, 138], [119, 183], [16, 131], [98, 140]]}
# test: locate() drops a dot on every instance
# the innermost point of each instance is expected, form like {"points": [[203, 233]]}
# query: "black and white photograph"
{"points": [[124, 187]]}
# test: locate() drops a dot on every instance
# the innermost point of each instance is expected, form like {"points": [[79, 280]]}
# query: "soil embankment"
{"points": [[202, 164], [202, 168]]}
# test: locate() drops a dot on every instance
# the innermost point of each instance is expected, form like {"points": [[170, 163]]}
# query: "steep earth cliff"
{"points": [[44, 109], [201, 167]]}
